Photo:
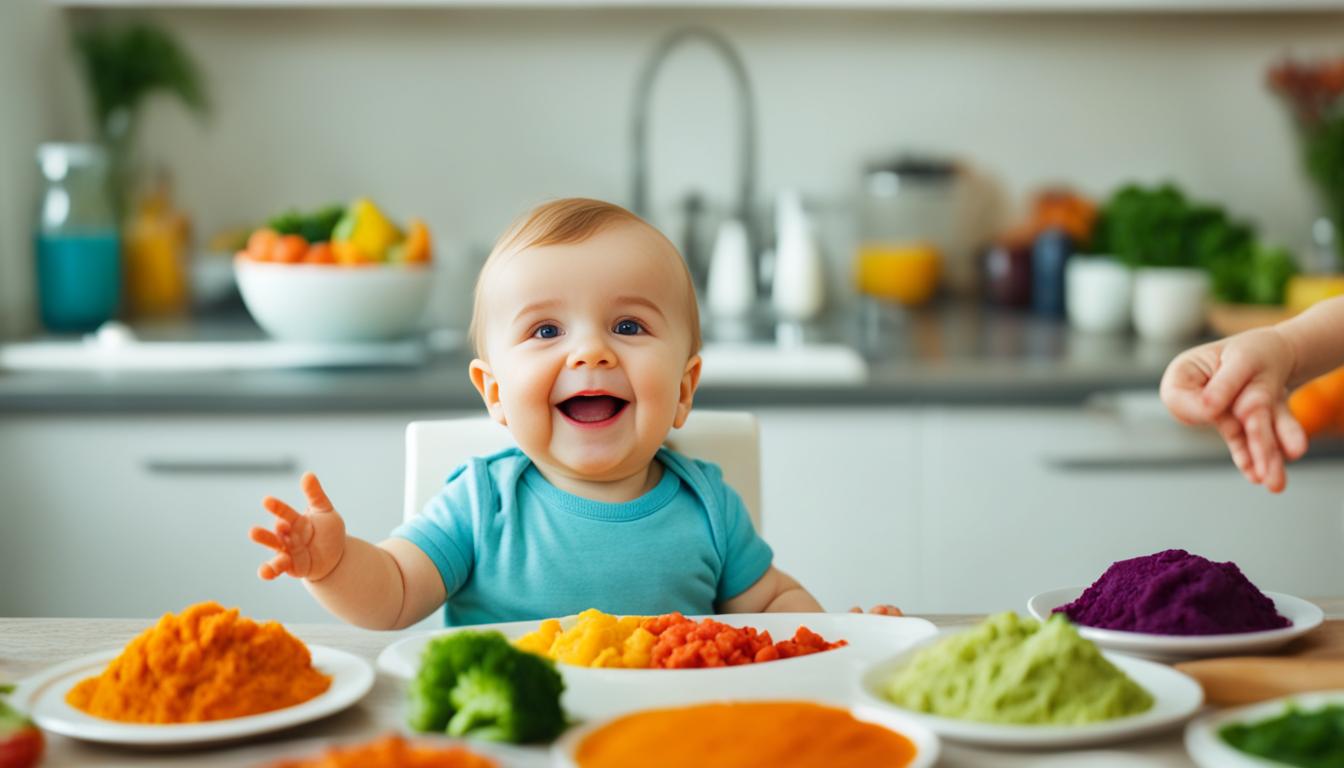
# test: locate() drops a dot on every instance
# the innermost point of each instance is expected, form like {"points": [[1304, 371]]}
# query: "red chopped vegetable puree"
{"points": [[686, 644]]}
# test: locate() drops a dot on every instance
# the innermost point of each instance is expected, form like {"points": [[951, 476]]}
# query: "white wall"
{"points": [[29, 39], [468, 116]]}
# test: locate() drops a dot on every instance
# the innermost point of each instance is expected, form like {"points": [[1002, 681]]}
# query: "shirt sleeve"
{"points": [[444, 530], [746, 555]]}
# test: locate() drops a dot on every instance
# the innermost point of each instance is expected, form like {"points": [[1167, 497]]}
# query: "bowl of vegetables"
{"points": [[339, 274]]}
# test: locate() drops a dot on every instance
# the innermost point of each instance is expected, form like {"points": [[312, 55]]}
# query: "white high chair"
{"points": [[730, 439]]}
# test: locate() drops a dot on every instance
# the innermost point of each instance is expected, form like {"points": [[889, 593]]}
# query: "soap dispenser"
{"points": [[798, 292]]}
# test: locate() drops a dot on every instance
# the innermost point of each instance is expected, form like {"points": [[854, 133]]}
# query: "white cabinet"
{"points": [[1016, 501], [134, 516], [840, 501]]}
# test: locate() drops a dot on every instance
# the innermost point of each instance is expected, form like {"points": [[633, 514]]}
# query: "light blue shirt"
{"points": [[511, 547]]}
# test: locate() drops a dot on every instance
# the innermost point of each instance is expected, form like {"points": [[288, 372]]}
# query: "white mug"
{"points": [[1097, 294], [1169, 302]]}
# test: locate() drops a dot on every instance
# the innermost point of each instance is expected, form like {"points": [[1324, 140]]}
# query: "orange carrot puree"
{"points": [[761, 734], [392, 751], [209, 663]]}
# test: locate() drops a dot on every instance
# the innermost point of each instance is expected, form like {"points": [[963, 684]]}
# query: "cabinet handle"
{"points": [[1324, 450], [280, 466]]}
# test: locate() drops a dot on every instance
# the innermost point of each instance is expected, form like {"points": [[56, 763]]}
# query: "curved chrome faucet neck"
{"points": [[746, 108]]}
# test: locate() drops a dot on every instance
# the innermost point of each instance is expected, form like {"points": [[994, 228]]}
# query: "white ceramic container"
{"points": [[1098, 294], [1169, 302], [327, 303]]}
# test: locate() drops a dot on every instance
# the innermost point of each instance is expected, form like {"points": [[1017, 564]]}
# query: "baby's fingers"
{"points": [[1264, 448], [281, 563], [1233, 373], [317, 498], [280, 509], [266, 538]]}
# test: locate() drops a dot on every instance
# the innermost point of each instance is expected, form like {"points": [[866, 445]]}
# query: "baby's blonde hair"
{"points": [[562, 222]]}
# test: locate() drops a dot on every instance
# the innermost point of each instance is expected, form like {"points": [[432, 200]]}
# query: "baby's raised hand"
{"points": [[308, 545], [1240, 386]]}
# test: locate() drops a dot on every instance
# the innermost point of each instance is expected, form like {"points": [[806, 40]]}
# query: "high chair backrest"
{"points": [[730, 439]]}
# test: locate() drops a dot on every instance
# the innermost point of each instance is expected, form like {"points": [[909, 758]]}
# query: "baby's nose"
{"points": [[592, 352]]}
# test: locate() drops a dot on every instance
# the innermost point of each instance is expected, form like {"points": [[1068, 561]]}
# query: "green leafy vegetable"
{"points": [[315, 227], [477, 684], [1160, 227], [1308, 739]]}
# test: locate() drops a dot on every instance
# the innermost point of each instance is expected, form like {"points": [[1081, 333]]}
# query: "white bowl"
{"points": [[927, 745], [327, 303], [1097, 293], [1169, 302], [1176, 697], [1208, 749]]}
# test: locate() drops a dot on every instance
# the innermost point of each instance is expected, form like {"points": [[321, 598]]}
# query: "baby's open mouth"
{"points": [[590, 409]]}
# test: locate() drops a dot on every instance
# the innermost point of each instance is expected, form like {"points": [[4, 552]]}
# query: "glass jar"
{"points": [[907, 220], [75, 239]]}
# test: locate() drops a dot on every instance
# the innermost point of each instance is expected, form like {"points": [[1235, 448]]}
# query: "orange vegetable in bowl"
{"points": [[320, 253], [417, 242], [349, 254], [289, 249], [260, 243]]}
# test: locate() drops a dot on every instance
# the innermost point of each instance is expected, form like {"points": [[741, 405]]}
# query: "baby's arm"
{"points": [[1317, 339], [388, 586], [775, 591]]}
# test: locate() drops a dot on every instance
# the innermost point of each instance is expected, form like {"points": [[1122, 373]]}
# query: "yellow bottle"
{"points": [[155, 254]]}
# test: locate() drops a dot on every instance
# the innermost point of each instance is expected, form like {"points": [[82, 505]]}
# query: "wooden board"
{"points": [[1312, 663]]}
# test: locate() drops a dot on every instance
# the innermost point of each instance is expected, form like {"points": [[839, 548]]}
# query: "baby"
{"points": [[587, 335], [1240, 385]]}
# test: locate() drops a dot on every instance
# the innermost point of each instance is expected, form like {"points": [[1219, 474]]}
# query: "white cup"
{"points": [[1097, 294], [1169, 302]]}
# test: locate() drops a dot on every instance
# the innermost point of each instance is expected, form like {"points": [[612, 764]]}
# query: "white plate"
{"points": [[600, 693], [1304, 616], [43, 697], [1208, 750], [1176, 696], [926, 743]]}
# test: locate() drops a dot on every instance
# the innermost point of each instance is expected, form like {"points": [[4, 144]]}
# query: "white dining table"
{"points": [[30, 645]]}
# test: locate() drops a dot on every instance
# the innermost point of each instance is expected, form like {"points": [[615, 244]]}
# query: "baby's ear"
{"points": [[690, 379], [484, 380]]}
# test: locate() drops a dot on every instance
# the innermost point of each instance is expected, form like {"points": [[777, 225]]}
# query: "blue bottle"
{"points": [[1050, 254], [76, 242]]}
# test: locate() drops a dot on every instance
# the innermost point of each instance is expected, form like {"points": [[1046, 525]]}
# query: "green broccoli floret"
{"points": [[477, 684]]}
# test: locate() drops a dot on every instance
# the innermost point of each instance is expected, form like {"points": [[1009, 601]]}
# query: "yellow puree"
{"points": [[596, 640]]}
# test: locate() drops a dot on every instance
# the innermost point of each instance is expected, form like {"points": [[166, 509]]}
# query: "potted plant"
{"points": [[123, 66]]}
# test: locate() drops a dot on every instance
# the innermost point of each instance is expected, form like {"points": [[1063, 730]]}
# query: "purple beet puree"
{"points": [[1174, 593]]}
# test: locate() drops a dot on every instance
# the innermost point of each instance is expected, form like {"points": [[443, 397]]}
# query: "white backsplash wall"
{"points": [[30, 40], [468, 116]]}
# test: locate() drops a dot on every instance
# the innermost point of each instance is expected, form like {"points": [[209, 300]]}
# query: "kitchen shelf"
{"points": [[949, 6]]}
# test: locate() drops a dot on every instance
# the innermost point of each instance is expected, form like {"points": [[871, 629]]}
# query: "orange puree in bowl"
{"points": [[392, 751], [778, 734], [209, 663]]}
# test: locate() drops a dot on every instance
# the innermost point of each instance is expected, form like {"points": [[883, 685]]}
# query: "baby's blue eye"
{"points": [[628, 328], [547, 331]]}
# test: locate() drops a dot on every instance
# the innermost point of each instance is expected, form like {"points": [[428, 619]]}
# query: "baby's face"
{"points": [[588, 348]]}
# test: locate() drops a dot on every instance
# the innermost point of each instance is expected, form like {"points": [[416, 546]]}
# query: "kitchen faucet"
{"points": [[746, 124]]}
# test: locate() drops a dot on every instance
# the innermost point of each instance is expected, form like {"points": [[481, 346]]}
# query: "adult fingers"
{"points": [[317, 498], [280, 509], [1292, 438], [266, 538], [1182, 388], [1260, 437], [1235, 437], [1227, 381]]}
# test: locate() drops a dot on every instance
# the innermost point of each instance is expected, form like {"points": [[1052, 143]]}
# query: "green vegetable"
{"points": [[315, 227], [477, 684], [1307, 739], [1160, 227], [1323, 156]]}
